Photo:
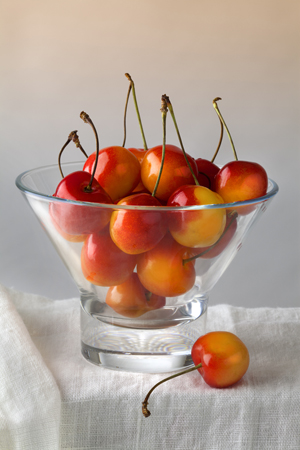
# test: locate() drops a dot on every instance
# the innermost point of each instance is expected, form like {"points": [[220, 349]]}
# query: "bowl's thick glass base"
{"points": [[141, 349]]}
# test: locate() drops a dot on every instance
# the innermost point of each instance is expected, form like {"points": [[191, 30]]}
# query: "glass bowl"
{"points": [[140, 312]]}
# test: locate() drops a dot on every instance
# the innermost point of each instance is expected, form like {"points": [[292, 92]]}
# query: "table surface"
{"points": [[51, 398]]}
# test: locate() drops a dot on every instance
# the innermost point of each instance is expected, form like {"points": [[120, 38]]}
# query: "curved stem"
{"points": [[137, 109], [125, 113], [169, 104], [73, 136], [220, 141], [233, 217], [86, 118], [59, 156], [164, 111], [145, 410], [225, 126]]}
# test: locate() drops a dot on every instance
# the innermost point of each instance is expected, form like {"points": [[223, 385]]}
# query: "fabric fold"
{"points": [[30, 402]]}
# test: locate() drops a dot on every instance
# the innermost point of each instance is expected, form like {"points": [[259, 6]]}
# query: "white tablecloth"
{"points": [[51, 398]]}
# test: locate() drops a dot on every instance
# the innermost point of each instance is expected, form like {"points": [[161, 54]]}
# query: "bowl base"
{"points": [[146, 350], [135, 362]]}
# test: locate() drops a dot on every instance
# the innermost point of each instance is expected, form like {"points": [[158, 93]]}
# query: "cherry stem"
{"points": [[86, 118], [72, 137], [225, 126], [125, 113], [169, 104], [233, 216], [220, 141], [145, 410], [137, 109], [164, 111]]}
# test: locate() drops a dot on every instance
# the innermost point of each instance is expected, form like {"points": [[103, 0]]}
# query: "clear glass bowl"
{"points": [[139, 312]]}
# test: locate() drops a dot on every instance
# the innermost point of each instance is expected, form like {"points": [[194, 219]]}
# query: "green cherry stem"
{"points": [[225, 126], [233, 216], [125, 113], [220, 141], [73, 136], [137, 109], [169, 105], [86, 118], [145, 410], [164, 111]]}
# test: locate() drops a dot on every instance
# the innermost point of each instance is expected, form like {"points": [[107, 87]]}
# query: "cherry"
{"points": [[175, 172], [217, 248], [167, 167], [162, 270], [103, 263], [131, 299], [74, 219], [220, 357], [239, 180], [118, 170], [223, 356], [196, 228], [136, 231]]}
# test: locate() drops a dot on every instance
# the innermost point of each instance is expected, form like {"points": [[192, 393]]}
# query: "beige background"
{"points": [[61, 57]]}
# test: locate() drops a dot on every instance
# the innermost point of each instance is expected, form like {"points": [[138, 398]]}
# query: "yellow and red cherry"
{"points": [[175, 172], [238, 181], [224, 358], [103, 263], [200, 228], [207, 171], [67, 236], [220, 357], [118, 170], [131, 299], [217, 248], [241, 180], [163, 271], [136, 231]]}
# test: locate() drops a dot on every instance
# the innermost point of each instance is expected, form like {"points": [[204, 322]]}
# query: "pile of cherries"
{"points": [[144, 255]]}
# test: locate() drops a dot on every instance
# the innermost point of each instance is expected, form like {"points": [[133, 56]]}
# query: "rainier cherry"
{"points": [[175, 172], [239, 180], [220, 357], [131, 299], [166, 167], [103, 263], [163, 271], [136, 231], [196, 228], [118, 170]]}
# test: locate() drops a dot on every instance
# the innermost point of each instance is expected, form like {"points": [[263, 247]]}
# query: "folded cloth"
{"points": [[30, 401], [101, 409]]}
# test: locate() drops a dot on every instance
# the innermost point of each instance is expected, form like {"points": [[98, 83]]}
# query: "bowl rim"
{"points": [[272, 191]]}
